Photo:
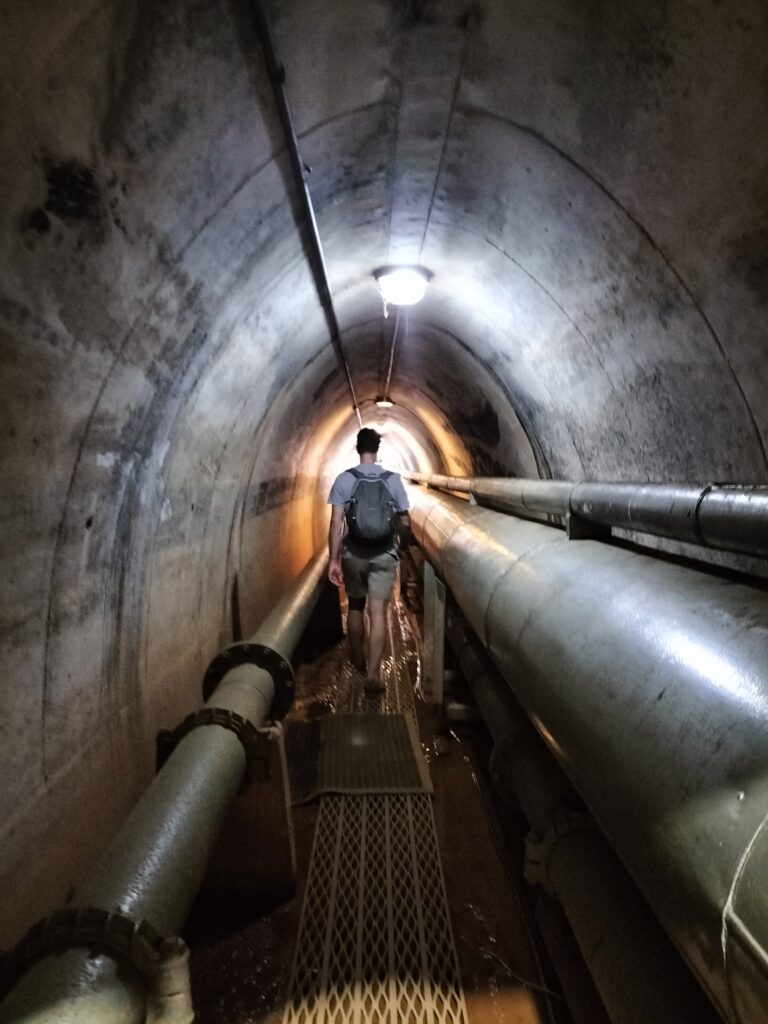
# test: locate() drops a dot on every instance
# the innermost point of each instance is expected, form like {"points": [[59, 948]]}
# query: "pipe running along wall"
{"points": [[621, 942], [649, 682], [153, 867], [730, 517]]}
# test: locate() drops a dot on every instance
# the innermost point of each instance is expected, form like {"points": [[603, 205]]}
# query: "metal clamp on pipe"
{"points": [[255, 741], [162, 961], [539, 846], [262, 657]]}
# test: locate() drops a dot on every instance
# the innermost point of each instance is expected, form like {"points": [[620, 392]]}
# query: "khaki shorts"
{"points": [[369, 575]]}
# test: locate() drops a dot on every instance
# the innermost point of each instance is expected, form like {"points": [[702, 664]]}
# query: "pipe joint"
{"points": [[263, 657], [540, 845], [255, 742], [161, 961]]}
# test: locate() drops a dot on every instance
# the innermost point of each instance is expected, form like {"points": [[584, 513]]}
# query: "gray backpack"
{"points": [[371, 510]]}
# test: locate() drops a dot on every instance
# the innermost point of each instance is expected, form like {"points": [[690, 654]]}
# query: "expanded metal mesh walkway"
{"points": [[375, 941]]}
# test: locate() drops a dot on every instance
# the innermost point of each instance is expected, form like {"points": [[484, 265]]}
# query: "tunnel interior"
{"points": [[587, 184]]}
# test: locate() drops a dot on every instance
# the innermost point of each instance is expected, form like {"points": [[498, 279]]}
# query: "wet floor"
{"points": [[242, 946]]}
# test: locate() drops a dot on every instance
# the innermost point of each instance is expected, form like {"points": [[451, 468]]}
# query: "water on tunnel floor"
{"points": [[183, 368], [242, 954]]}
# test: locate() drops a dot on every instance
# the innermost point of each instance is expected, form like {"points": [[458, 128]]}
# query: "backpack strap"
{"points": [[386, 474], [357, 474]]}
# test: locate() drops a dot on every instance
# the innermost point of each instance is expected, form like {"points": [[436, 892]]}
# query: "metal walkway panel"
{"points": [[375, 944], [348, 753], [400, 669]]}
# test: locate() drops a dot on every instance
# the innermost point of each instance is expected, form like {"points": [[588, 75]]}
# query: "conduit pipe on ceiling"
{"points": [[153, 867], [649, 682], [638, 974], [276, 72], [730, 517]]}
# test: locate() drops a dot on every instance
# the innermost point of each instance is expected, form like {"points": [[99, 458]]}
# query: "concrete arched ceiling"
{"points": [[587, 181]]}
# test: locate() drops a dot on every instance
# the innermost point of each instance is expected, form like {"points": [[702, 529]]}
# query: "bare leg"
{"points": [[356, 632], [377, 626]]}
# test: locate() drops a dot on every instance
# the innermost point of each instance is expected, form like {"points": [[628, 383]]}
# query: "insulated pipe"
{"points": [[520, 763], [728, 517], [153, 867], [649, 682], [276, 73], [621, 942]]}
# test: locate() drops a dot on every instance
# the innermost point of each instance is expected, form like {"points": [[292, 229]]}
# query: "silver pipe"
{"points": [[649, 682], [621, 942], [276, 72], [729, 517], [155, 864]]}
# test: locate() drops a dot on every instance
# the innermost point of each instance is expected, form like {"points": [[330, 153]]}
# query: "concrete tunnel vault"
{"points": [[586, 181]]}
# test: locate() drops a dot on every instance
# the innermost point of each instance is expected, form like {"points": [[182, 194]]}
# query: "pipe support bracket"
{"points": [[162, 961], [256, 742], [539, 846], [263, 657]]}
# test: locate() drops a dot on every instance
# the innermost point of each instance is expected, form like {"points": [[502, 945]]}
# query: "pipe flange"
{"points": [[538, 846], [264, 657], [255, 741], [161, 960]]}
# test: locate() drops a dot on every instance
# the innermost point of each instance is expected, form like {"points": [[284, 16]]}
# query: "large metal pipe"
{"points": [[153, 867], [728, 517], [649, 682], [620, 940]]}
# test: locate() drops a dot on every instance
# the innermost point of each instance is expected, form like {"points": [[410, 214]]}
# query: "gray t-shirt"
{"points": [[344, 485]]}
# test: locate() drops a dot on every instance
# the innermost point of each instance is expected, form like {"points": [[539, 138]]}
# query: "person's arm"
{"points": [[335, 533], [403, 519], [403, 529]]}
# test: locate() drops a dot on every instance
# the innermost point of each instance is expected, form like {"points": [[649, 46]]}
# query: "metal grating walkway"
{"points": [[334, 755], [400, 671], [375, 944]]}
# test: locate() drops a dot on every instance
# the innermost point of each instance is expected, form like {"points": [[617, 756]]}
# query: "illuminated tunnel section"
{"points": [[585, 182]]}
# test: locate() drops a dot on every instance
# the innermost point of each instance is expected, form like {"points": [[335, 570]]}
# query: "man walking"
{"points": [[364, 558]]}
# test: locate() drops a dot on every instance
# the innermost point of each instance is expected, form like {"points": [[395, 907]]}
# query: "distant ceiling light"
{"points": [[384, 403], [402, 286]]}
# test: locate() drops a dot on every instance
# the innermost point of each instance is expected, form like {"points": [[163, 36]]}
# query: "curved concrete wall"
{"points": [[587, 183]]}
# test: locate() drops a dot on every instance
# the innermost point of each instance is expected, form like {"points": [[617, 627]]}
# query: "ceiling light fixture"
{"points": [[402, 286], [384, 403]]}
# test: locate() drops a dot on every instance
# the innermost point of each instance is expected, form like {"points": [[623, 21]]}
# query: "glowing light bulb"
{"points": [[402, 286], [384, 403]]}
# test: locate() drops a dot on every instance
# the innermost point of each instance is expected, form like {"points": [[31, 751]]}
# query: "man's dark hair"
{"points": [[368, 441]]}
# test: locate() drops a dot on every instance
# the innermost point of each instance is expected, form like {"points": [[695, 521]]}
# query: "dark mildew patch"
{"points": [[73, 194], [481, 423], [749, 261], [39, 221]]}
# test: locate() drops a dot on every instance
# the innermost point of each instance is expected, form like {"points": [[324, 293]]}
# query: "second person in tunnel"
{"points": [[371, 502]]}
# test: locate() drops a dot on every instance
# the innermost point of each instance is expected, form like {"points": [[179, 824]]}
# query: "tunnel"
{"points": [[200, 198]]}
